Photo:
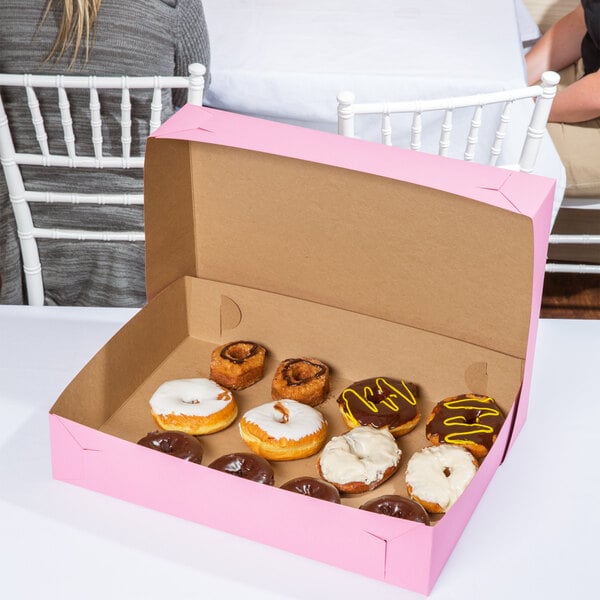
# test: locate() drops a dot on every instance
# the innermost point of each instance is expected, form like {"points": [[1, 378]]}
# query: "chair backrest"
{"points": [[575, 248], [12, 161], [445, 107]]}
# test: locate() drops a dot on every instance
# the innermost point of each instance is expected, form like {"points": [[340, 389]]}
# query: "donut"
{"points": [[283, 430], [245, 465], [469, 420], [313, 487], [359, 460], [303, 379], [397, 506], [237, 365], [176, 443], [194, 406], [436, 476], [381, 402]]}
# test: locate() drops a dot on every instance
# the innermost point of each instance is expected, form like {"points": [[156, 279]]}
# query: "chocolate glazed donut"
{"points": [[469, 420], [313, 487], [305, 380], [176, 443], [381, 402], [399, 507], [245, 465]]}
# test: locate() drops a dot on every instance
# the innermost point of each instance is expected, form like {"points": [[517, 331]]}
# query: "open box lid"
{"points": [[376, 230]]}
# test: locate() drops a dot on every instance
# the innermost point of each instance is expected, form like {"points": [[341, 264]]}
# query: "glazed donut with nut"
{"points": [[195, 406], [438, 475], [305, 380], [381, 402], [283, 430], [237, 365], [359, 460], [470, 420]]}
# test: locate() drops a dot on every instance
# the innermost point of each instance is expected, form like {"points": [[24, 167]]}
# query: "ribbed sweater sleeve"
{"points": [[192, 42]]}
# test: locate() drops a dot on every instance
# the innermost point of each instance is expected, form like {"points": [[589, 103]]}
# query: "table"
{"points": [[286, 61], [62, 542]]}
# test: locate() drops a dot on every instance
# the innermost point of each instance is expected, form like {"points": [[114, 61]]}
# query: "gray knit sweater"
{"points": [[132, 37]]}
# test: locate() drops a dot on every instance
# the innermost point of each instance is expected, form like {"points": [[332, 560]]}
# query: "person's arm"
{"points": [[559, 47], [578, 102], [192, 44]]}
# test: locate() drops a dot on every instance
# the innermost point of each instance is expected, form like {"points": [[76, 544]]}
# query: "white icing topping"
{"points": [[361, 455], [301, 420], [440, 474], [192, 397]]}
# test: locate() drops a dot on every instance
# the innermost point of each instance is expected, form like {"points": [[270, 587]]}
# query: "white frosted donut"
{"points": [[359, 460], [438, 475], [194, 397], [195, 406], [283, 430]]}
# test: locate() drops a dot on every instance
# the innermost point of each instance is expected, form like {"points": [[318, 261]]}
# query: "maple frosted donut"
{"points": [[303, 379], [359, 460], [283, 430], [468, 420], [436, 476], [194, 406], [176, 443], [398, 507], [237, 365], [381, 402]]}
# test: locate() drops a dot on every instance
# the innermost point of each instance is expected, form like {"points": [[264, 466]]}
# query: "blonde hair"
{"points": [[76, 28]]}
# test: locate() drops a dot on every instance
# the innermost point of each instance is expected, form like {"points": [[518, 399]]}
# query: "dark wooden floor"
{"points": [[571, 296]]}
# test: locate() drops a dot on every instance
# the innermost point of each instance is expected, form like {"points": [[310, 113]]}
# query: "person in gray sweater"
{"points": [[114, 37]]}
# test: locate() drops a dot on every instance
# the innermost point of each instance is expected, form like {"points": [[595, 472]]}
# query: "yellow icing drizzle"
{"points": [[461, 420], [389, 400]]}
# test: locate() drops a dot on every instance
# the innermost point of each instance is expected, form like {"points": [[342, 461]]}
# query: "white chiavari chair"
{"points": [[543, 95], [573, 250], [12, 161]]}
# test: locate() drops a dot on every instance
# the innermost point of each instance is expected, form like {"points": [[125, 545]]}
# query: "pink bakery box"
{"points": [[377, 260]]}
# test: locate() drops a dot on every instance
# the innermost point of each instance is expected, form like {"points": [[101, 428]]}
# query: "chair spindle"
{"points": [[65, 118], [473, 137], [446, 132], [125, 121], [95, 120], [37, 119]]}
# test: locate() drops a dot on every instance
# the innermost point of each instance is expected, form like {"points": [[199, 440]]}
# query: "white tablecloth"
{"points": [[287, 60], [533, 535]]}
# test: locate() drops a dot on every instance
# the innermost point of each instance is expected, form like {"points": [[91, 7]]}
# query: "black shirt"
{"points": [[590, 45]]}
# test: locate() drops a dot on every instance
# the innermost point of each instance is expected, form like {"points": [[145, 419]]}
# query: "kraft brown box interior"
{"points": [[314, 245]]}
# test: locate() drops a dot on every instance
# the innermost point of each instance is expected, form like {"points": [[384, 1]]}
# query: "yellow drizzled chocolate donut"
{"points": [[469, 420], [381, 402]]}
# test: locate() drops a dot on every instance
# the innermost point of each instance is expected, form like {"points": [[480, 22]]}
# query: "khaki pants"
{"points": [[578, 145]]}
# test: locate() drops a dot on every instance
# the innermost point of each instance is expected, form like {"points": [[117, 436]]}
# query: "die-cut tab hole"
{"points": [[231, 314]]}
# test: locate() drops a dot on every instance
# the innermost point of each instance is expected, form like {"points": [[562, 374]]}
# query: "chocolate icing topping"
{"points": [[245, 465], [380, 402], [298, 371], [239, 352], [176, 443], [467, 418], [313, 487], [399, 507]]}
